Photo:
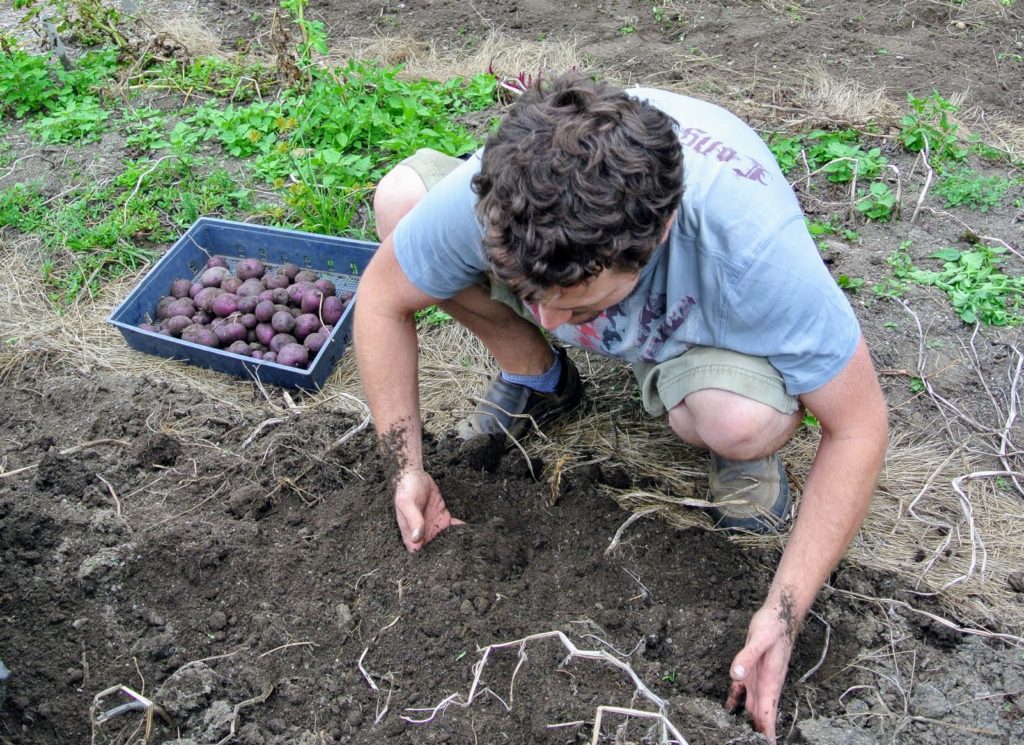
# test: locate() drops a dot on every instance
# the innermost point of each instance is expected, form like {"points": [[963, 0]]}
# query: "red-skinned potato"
{"points": [[325, 286], [264, 311], [269, 357], [247, 304], [297, 290], [250, 287], [249, 320], [240, 347], [216, 261], [163, 307], [289, 270], [307, 275]]}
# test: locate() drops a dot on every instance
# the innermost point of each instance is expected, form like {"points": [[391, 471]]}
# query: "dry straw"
{"points": [[939, 521]]}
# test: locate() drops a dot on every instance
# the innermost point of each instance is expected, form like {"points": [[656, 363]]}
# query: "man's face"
{"points": [[585, 301]]}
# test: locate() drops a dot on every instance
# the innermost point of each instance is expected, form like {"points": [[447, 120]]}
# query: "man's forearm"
{"points": [[386, 351], [835, 501]]}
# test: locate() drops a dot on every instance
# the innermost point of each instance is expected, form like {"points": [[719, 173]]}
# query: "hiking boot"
{"points": [[510, 408], [757, 489]]}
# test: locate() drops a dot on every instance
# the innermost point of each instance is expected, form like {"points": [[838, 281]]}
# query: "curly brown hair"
{"points": [[578, 178]]}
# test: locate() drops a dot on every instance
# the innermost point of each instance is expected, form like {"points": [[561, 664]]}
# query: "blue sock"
{"points": [[544, 383]]}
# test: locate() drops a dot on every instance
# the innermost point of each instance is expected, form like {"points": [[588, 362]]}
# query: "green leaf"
{"points": [[946, 254]]}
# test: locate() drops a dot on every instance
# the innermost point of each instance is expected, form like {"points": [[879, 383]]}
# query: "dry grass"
{"points": [[506, 56], [918, 528]]}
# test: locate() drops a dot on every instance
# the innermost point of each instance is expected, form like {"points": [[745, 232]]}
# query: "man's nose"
{"points": [[551, 318]]}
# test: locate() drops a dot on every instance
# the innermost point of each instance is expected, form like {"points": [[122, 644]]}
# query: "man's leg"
{"points": [[519, 347], [735, 406]]}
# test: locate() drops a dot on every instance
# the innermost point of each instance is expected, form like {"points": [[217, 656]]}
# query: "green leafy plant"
{"points": [[90, 22], [969, 189], [878, 203], [26, 85], [852, 284], [841, 158], [433, 316], [929, 124], [314, 35], [977, 289], [73, 120], [917, 385]]}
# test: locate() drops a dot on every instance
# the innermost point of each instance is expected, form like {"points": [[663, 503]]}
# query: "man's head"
{"points": [[577, 179]]}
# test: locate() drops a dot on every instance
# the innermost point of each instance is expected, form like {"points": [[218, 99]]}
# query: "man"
{"points": [[657, 229]]}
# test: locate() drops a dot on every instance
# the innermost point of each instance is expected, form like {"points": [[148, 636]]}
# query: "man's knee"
{"points": [[732, 425], [396, 194]]}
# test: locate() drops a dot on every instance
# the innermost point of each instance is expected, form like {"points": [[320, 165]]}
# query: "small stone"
{"points": [[74, 675], [343, 617], [961, 26], [1016, 581], [928, 701], [481, 604]]}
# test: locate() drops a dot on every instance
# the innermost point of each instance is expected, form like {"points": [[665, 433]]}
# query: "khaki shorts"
{"points": [[663, 385], [431, 166]]}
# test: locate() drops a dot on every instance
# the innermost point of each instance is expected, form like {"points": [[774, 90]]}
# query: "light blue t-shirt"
{"points": [[738, 271]]}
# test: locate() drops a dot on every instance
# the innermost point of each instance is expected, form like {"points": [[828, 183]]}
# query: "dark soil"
{"points": [[256, 587]]}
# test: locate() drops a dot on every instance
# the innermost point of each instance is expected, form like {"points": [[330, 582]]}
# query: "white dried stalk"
{"points": [[476, 689]]}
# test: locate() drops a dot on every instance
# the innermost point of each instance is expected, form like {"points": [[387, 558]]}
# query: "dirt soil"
{"points": [[242, 571]]}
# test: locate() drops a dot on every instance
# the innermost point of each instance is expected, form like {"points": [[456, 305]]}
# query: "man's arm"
{"points": [[387, 353], [841, 482]]}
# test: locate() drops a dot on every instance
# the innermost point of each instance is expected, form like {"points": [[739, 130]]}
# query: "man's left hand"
{"points": [[759, 670]]}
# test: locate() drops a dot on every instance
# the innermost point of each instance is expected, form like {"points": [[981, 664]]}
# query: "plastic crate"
{"points": [[340, 260]]}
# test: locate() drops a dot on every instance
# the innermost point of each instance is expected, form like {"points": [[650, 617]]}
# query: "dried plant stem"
{"points": [[476, 689]]}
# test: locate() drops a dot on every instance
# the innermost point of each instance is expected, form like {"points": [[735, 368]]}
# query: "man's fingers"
{"points": [[410, 521], [734, 701]]}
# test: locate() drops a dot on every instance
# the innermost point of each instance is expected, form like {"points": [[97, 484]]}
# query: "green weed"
{"points": [[90, 22], [965, 187], [77, 120], [433, 316], [928, 125], [26, 86], [878, 203], [837, 154], [810, 421], [977, 289], [851, 284]]}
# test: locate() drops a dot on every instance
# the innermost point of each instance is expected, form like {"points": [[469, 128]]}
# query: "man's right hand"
{"points": [[420, 510]]}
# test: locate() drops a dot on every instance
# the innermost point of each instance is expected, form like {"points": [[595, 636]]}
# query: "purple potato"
{"points": [[250, 269], [216, 261], [256, 354], [225, 305], [289, 270], [297, 290], [180, 288], [202, 318], [306, 275], [163, 306], [231, 332], [280, 296], [305, 325], [213, 276], [311, 301], [315, 341], [240, 347], [264, 311], [325, 286], [332, 309], [293, 355], [279, 341], [230, 284], [206, 296], [250, 287], [247, 304], [200, 335], [149, 327], [249, 320], [195, 289], [276, 281], [177, 324], [282, 322], [264, 333], [269, 357]]}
